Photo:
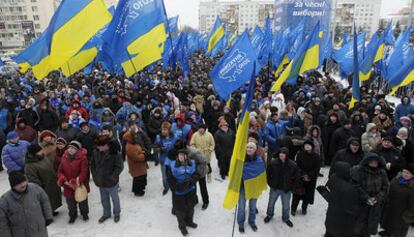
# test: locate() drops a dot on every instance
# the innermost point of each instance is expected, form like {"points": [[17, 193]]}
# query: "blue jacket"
{"points": [[13, 155], [183, 174], [3, 118], [274, 130], [166, 144], [181, 133], [403, 109]]}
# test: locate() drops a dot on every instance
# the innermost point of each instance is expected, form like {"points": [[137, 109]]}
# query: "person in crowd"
{"points": [[76, 106], [13, 153], [48, 119], [405, 108], [282, 177], [67, 131], [352, 154], [371, 181], [399, 205], [25, 209], [182, 130], [371, 138], [343, 203], [274, 129], [314, 134], [392, 156], [181, 175], [86, 137], [61, 146], [39, 170], [203, 141], [328, 131], [224, 139], [136, 156], [341, 136], [106, 166], [309, 164], [383, 122], [24, 131], [165, 143], [47, 140], [72, 172], [254, 166]]}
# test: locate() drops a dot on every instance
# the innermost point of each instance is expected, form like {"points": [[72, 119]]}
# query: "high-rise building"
{"points": [[365, 13], [237, 15], [23, 20]]}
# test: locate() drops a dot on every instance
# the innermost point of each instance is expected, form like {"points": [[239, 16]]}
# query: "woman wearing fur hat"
{"points": [[39, 170], [309, 164]]}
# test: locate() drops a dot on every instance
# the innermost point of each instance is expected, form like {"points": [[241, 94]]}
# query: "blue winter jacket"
{"points": [[183, 173], [403, 109], [274, 130], [13, 155], [166, 144]]}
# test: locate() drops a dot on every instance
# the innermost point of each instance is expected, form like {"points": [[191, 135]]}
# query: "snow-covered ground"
{"points": [[151, 215]]}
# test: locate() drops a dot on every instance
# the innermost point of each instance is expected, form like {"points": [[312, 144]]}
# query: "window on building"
{"points": [[37, 26], [35, 17], [34, 8]]}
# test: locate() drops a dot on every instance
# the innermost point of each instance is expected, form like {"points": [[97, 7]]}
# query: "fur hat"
{"points": [[46, 133]]}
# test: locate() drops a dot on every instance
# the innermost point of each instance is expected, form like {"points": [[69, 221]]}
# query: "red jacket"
{"points": [[27, 134], [81, 110], [70, 170]]}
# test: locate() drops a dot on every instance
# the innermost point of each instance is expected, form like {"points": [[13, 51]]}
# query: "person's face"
{"points": [[179, 122], [14, 140], [333, 119], [61, 146], [134, 117], [373, 164], [354, 148], [105, 132], [348, 126], [21, 187], [405, 123], [202, 130], [72, 151], [182, 157], [282, 157], [386, 144], [250, 150], [336, 107], [382, 116], [22, 125], [405, 100], [317, 102], [315, 133], [307, 148], [22, 103], [43, 106], [85, 129], [65, 125], [165, 132], [75, 105], [225, 128], [405, 174], [275, 118], [373, 130]]}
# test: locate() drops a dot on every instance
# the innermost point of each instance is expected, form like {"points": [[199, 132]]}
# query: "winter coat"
{"points": [[382, 125], [309, 164], [81, 110], [339, 140], [200, 160], [399, 208], [371, 182], [403, 109], [327, 134], [106, 168], [165, 144], [273, 130], [26, 134], [13, 155], [70, 169], [343, 203], [347, 156], [317, 141], [154, 126], [224, 144], [30, 116], [394, 158], [137, 163], [39, 170], [68, 134], [25, 215], [48, 120], [282, 175], [87, 140], [204, 143], [369, 140]]}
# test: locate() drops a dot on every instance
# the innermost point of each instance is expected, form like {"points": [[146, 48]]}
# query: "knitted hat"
{"points": [[61, 140], [33, 149], [75, 144], [16, 178], [11, 135], [405, 118], [309, 142]]}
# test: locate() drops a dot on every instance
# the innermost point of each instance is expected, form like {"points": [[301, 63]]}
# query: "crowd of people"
{"points": [[61, 134]]}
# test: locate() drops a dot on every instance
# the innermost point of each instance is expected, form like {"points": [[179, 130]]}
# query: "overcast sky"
{"points": [[188, 9]]}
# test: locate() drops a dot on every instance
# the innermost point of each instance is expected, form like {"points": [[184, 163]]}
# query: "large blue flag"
{"points": [[266, 47], [344, 56], [326, 50], [173, 24], [235, 68], [389, 35], [257, 37], [404, 76]]}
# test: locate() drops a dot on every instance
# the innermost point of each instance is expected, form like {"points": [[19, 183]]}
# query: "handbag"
{"points": [[81, 193]]}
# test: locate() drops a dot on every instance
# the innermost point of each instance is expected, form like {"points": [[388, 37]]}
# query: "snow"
{"points": [[151, 215]]}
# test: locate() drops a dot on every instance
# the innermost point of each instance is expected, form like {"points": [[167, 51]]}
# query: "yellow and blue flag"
{"points": [[404, 76], [137, 34], [235, 68], [374, 53], [216, 35], [239, 155], [356, 91], [389, 35], [307, 58], [71, 27]]}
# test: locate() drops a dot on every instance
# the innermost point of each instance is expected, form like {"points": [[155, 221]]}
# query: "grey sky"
{"points": [[188, 9]]}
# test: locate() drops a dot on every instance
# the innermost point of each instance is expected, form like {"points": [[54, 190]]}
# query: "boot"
{"points": [[103, 219], [184, 231]]}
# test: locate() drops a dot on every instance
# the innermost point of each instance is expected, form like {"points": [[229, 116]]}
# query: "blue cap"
{"points": [[11, 135]]}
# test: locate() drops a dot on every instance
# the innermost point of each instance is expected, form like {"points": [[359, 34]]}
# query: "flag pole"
{"points": [[234, 221], [70, 73], [132, 62]]}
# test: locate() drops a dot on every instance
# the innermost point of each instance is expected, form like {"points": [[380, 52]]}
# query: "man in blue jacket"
{"points": [[13, 153], [274, 129], [403, 109]]}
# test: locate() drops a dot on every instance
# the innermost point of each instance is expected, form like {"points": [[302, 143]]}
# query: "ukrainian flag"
{"points": [[374, 53], [216, 34], [254, 184], [71, 27], [307, 58], [404, 76], [356, 93]]}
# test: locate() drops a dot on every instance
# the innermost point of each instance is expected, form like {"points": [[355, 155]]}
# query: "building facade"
{"points": [[22, 20], [237, 15]]}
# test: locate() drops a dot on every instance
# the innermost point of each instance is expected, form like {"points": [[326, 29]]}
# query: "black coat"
{"points": [[87, 140], [154, 127], [309, 164], [283, 175], [340, 139], [106, 168], [346, 155], [68, 134], [392, 156], [48, 119], [327, 133], [399, 208], [224, 144], [343, 203]]}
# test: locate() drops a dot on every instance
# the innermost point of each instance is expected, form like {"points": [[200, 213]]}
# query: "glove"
{"points": [[388, 166], [48, 222], [371, 201]]}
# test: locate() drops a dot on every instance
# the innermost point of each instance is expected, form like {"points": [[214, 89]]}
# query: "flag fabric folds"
{"points": [[216, 35], [344, 55], [266, 46], [1, 63], [307, 58], [404, 76], [137, 34], [374, 53], [235, 68], [399, 55], [173, 24], [356, 93]]}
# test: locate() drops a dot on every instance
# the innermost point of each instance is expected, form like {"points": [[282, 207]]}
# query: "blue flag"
{"points": [[257, 38], [344, 56], [235, 68], [1, 63], [396, 58], [173, 24], [266, 47]]}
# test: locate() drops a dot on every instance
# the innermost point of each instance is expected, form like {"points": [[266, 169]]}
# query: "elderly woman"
{"points": [[371, 138]]}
